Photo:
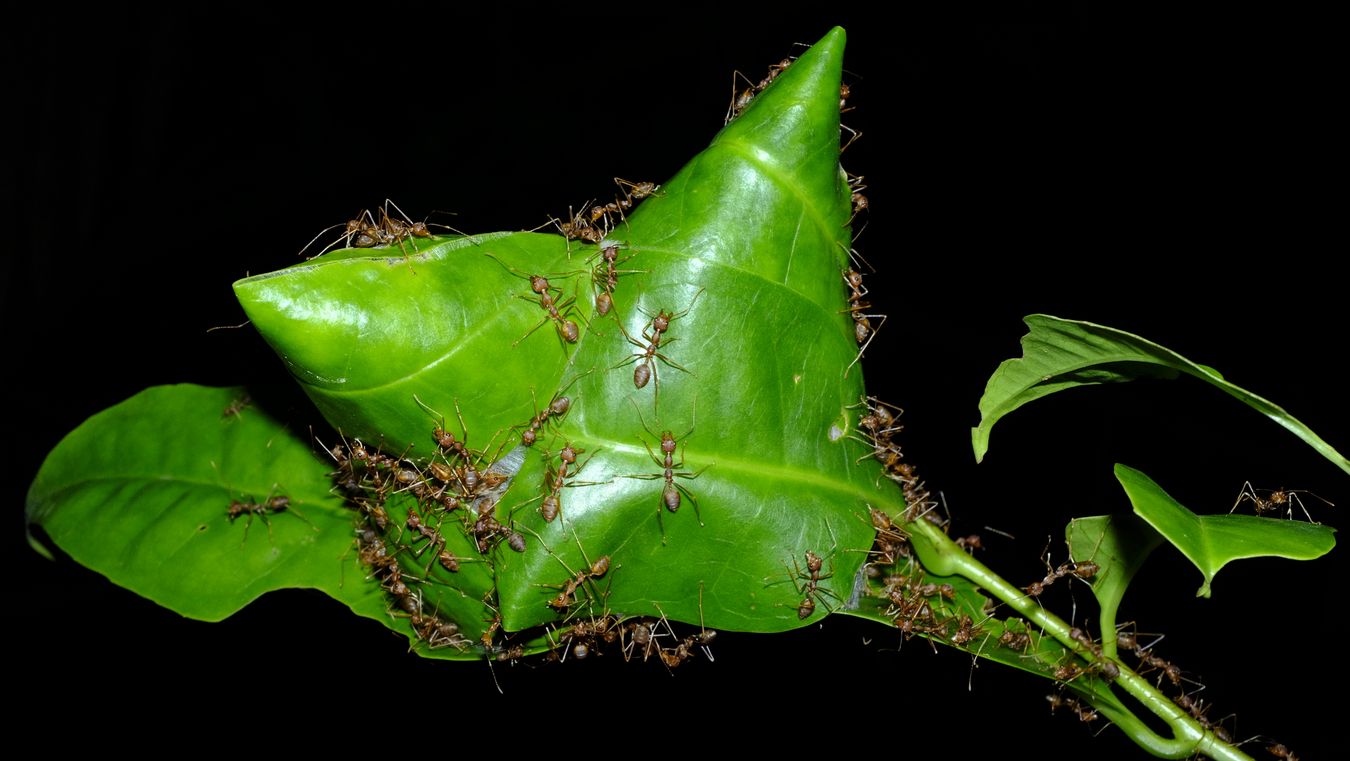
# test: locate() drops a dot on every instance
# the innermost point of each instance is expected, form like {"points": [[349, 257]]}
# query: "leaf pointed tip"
{"points": [[979, 441], [38, 546]]}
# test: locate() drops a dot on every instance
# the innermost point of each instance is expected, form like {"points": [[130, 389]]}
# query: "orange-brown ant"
{"points": [[671, 470], [740, 102], [605, 276], [556, 310], [274, 504], [1275, 500], [236, 407], [810, 587], [1278, 750], [863, 331], [556, 478], [632, 193], [565, 597], [651, 345], [557, 407]]}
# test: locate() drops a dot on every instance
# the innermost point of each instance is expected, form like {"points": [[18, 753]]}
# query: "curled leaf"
{"points": [[1059, 354]]}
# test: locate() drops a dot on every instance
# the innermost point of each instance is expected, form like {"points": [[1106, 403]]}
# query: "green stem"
{"points": [[940, 555]]}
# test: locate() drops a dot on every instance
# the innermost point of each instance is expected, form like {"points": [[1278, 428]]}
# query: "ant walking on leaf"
{"points": [[1273, 500], [274, 503], [671, 470], [651, 347]]}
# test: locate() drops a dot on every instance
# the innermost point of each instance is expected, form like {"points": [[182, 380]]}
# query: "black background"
{"points": [[1162, 177]]}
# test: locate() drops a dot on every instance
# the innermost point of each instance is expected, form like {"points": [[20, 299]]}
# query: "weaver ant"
{"points": [[671, 470], [646, 367], [556, 310], [1275, 500]]}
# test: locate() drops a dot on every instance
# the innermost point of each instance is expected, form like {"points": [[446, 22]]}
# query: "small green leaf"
{"points": [[1213, 541], [1119, 545], [1058, 354], [141, 492]]}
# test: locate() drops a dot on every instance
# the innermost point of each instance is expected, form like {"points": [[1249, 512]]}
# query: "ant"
{"points": [[1085, 713], [632, 192], [235, 408], [556, 310], [1278, 750], [556, 479], [1275, 500], [557, 407], [859, 201], [966, 631], [660, 323], [606, 276], [740, 102], [863, 331], [565, 597], [1011, 640], [577, 227], [273, 504], [1084, 570], [670, 495], [361, 229], [810, 589]]}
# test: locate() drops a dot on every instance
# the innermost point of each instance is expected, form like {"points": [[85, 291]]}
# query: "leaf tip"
{"points": [[38, 546], [979, 441]]}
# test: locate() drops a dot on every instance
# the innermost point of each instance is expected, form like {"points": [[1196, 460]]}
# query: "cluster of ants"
{"points": [[912, 599], [454, 489], [593, 223], [366, 230], [642, 637], [878, 428], [450, 489]]}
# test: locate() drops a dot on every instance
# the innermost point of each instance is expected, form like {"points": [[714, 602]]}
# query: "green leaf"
{"points": [[370, 332], [743, 253], [1058, 354], [141, 492], [1119, 545], [1213, 541]]}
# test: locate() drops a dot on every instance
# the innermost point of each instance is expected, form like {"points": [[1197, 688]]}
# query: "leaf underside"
{"points": [[1059, 354]]}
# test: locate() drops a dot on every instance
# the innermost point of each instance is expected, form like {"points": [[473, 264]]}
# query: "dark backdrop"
{"points": [[1157, 176]]}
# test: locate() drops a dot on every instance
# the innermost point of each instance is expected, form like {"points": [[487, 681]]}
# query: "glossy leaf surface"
{"points": [[141, 493], [1059, 354], [1213, 541], [741, 256]]}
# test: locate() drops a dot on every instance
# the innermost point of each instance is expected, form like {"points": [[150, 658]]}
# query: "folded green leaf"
{"points": [[741, 256], [1058, 354], [1119, 545], [1213, 541]]}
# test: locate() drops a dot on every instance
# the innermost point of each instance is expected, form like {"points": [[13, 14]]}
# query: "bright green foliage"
{"points": [[1213, 541], [1119, 545], [748, 424], [1058, 354], [744, 250], [141, 493]]}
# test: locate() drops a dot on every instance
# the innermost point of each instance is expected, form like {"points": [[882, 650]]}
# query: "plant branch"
{"points": [[940, 555]]}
